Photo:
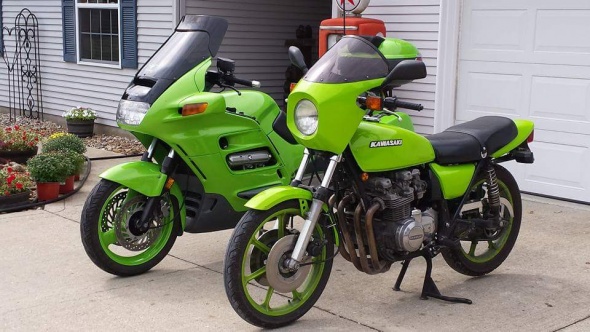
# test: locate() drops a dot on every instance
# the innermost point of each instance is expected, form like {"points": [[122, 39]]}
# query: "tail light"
{"points": [[531, 137], [419, 57]]}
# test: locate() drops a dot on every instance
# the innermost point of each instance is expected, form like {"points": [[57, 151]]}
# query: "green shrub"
{"points": [[74, 160], [49, 167], [65, 142]]}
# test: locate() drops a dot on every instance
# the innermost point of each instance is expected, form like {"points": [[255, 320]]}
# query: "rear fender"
{"points": [[146, 179], [525, 128]]}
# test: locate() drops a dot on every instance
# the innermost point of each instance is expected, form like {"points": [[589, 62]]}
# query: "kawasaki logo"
{"points": [[381, 144]]}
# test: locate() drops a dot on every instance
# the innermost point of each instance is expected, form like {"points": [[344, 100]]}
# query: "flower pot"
{"points": [[47, 190], [19, 157], [80, 128], [77, 177], [14, 199], [67, 186]]}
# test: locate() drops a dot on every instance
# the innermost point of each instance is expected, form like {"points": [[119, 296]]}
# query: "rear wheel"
{"points": [[261, 290], [477, 257], [108, 233]]}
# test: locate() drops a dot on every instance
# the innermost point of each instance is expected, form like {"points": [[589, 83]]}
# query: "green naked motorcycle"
{"points": [[388, 194], [207, 152]]}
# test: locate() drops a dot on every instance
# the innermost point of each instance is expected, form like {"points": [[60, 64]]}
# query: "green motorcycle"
{"points": [[388, 194]]}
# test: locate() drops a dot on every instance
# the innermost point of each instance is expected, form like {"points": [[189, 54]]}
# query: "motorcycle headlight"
{"points": [[131, 112], [306, 117]]}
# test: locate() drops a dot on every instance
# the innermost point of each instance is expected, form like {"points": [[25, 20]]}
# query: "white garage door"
{"points": [[531, 59]]}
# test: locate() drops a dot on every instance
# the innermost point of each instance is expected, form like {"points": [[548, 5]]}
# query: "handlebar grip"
{"points": [[252, 84], [394, 103]]}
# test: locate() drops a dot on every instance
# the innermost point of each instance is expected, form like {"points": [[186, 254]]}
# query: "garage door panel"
{"points": [[531, 59]]}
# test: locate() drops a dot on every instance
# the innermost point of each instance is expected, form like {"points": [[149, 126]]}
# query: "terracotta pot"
{"points": [[77, 177], [80, 128], [47, 190], [67, 186], [14, 199], [19, 157]]}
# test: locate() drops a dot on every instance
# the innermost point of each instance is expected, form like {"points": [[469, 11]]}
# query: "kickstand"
{"points": [[429, 288]]}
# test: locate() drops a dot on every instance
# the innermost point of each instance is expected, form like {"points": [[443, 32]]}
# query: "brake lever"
{"points": [[230, 87]]}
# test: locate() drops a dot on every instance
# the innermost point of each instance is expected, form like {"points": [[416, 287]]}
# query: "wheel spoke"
{"points": [[472, 248], [263, 247], [492, 245], [269, 294], [296, 295], [255, 274], [109, 237]]}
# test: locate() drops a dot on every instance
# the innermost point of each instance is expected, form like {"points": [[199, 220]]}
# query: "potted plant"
{"points": [[48, 170], [73, 162], [60, 142], [18, 144], [14, 186], [80, 121]]}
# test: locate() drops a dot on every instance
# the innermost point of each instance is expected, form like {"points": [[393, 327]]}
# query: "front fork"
{"points": [[153, 203], [320, 198]]}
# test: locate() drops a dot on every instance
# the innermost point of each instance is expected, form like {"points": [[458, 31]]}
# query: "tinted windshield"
{"points": [[352, 59], [195, 39]]}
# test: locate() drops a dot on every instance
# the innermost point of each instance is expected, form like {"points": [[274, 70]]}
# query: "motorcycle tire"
{"points": [[470, 263], [247, 283], [100, 241]]}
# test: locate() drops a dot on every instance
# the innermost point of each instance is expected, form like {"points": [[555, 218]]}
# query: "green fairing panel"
{"points": [[276, 195], [255, 104], [338, 116], [393, 48], [378, 147], [525, 128], [453, 179], [402, 120]]}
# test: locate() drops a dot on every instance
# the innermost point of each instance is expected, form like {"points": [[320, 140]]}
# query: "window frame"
{"points": [[116, 6]]}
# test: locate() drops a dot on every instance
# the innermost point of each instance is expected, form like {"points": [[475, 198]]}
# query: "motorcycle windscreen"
{"points": [[195, 39], [352, 59]]}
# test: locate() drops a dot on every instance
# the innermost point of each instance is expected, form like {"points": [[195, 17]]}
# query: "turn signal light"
{"points": [[169, 183], [364, 177], [292, 87], [193, 109], [531, 137], [374, 103]]}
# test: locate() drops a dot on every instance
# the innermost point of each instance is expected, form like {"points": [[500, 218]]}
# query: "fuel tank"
{"points": [[379, 147]]}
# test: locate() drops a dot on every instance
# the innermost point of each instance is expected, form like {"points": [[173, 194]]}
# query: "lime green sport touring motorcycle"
{"points": [[207, 154], [388, 194]]}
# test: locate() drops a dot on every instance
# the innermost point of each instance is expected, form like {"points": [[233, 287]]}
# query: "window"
{"points": [[100, 32]]}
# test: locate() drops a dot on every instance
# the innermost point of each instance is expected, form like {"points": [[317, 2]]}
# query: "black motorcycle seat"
{"points": [[473, 140]]}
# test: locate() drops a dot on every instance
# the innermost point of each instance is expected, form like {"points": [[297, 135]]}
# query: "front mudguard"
{"points": [[146, 179], [274, 196]]}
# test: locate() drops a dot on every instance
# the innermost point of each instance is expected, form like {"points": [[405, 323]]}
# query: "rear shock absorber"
{"points": [[493, 191]]}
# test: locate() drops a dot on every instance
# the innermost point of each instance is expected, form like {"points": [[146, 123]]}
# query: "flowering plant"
{"points": [[64, 142], [13, 181], [16, 138], [80, 113]]}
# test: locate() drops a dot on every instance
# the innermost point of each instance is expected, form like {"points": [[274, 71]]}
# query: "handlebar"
{"points": [[393, 103], [233, 79]]}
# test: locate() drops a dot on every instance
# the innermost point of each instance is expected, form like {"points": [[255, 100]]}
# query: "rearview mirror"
{"points": [[405, 72], [297, 59]]}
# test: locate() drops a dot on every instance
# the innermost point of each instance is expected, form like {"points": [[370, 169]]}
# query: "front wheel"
{"points": [[261, 290], [108, 234], [478, 257]]}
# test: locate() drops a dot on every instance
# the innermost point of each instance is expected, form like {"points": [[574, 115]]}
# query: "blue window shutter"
{"points": [[129, 33], [68, 8]]}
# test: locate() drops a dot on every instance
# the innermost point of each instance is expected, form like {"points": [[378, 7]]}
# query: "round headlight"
{"points": [[306, 117]]}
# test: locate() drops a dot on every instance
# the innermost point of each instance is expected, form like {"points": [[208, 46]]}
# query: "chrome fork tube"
{"points": [[302, 166], [312, 217]]}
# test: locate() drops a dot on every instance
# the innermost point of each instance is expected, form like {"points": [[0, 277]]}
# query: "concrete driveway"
{"points": [[48, 283]]}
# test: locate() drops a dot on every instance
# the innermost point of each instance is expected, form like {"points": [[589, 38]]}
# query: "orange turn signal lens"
{"points": [[364, 177], [292, 86], [192, 109], [374, 103], [169, 183]]}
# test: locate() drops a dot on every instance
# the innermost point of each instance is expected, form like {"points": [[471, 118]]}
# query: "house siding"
{"points": [[418, 23], [257, 33], [68, 84]]}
